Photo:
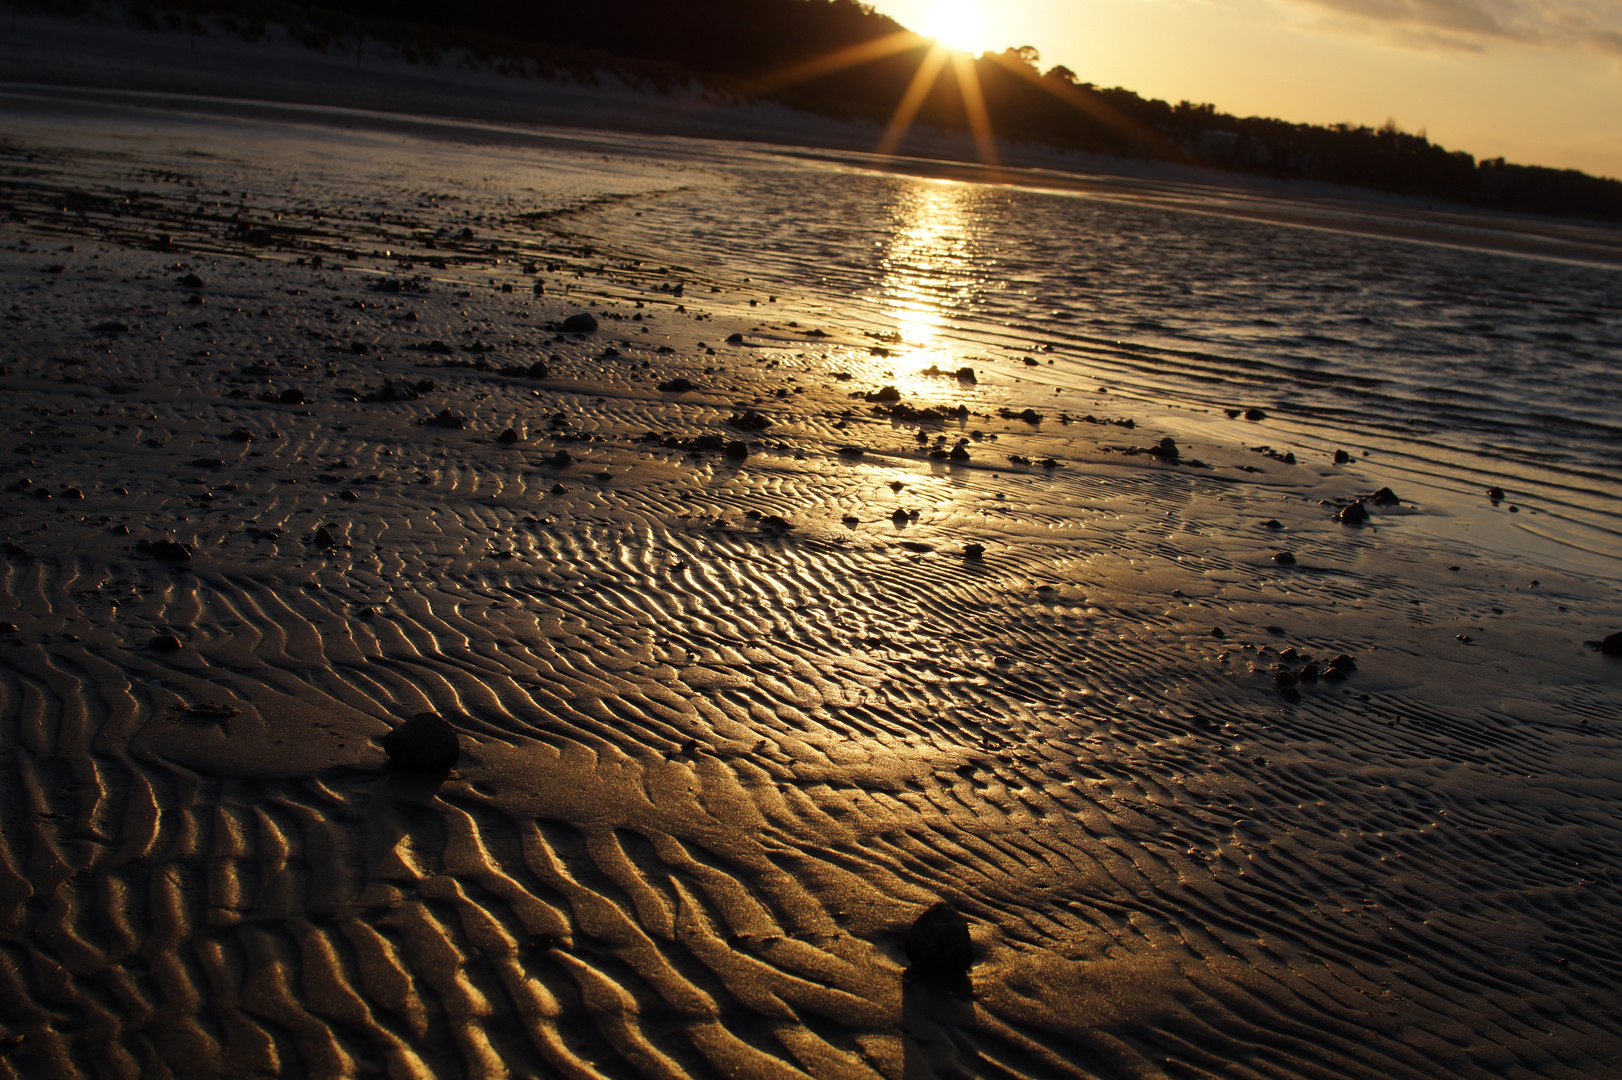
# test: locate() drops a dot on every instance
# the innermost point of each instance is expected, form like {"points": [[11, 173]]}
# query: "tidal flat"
{"points": [[1160, 584]]}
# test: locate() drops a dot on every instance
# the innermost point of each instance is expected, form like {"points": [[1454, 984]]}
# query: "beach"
{"points": [[816, 578]]}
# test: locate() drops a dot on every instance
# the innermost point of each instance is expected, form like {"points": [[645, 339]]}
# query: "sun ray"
{"points": [[1090, 105], [913, 99], [850, 56], [974, 107]]}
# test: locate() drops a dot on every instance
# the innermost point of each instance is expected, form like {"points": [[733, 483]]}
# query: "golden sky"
{"points": [[1536, 81]]}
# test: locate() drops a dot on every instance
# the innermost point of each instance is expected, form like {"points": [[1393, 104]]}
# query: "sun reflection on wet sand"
{"points": [[929, 272]]}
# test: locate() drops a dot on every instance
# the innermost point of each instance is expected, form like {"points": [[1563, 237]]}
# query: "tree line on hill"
{"points": [[781, 49]]}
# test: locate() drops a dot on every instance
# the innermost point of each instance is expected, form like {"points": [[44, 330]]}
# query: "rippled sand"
{"points": [[713, 767]]}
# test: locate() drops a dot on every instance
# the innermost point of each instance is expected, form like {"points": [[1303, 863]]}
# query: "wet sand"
{"points": [[729, 723]]}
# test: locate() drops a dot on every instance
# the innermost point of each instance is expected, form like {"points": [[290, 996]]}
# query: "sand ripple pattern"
{"points": [[713, 770]]}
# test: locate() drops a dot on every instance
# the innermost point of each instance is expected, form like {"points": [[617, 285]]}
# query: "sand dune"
{"points": [[713, 766]]}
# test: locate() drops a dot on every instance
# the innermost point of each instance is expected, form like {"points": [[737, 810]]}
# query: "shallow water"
{"points": [[1455, 369]]}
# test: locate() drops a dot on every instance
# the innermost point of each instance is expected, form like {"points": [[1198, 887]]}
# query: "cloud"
{"points": [[1571, 25]]}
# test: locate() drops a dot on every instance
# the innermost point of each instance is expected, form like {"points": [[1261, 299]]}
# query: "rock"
{"points": [[539, 370], [974, 551], [291, 396], [559, 489], [14, 551], [191, 281], [1255, 414], [172, 550], [938, 944], [166, 643], [206, 463], [1612, 645], [1342, 457], [508, 437], [899, 517], [734, 339], [1167, 450], [424, 744], [1496, 494], [851, 451], [1340, 667], [1385, 497], [1272, 523], [112, 328], [676, 386], [886, 393], [447, 419], [241, 434], [582, 323], [324, 538], [966, 374], [737, 450], [959, 454], [1284, 558], [749, 420], [561, 458], [1355, 514]]}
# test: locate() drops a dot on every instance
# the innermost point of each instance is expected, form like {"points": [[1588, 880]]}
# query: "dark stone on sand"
{"points": [[291, 396], [1284, 558], [172, 550], [938, 944], [447, 419], [582, 323], [1217, 631], [424, 744], [562, 457], [241, 434], [774, 523], [508, 437], [324, 538], [1340, 667], [737, 450], [1272, 523], [539, 370], [559, 489], [1355, 514], [1290, 694], [1255, 414], [851, 451], [1167, 450], [749, 420], [112, 328], [1385, 497], [1612, 645], [1342, 457], [166, 643], [206, 463], [1283, 676], [974, 551], [191, 281], [677, 385], [1496, 494], [734, 339], [886, 393], [899, 517], [966, 374], [959, 454]]}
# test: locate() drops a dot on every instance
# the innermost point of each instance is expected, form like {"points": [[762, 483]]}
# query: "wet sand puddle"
{"points": [[729, 723]]}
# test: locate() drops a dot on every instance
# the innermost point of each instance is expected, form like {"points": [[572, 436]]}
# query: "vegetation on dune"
{"points": [[780, 50]]}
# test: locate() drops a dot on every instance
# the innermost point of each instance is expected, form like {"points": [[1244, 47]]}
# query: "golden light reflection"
{"points": [[928, 273]]}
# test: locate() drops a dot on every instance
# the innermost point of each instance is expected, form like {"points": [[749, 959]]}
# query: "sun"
{"points": [[956, 24]]}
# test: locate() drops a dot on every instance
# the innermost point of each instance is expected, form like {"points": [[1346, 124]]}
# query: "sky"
{"points": [[1538, 82]]}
